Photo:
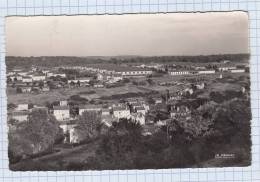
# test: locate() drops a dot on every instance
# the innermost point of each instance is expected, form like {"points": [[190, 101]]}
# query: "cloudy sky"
{"points": [[113, 35]]}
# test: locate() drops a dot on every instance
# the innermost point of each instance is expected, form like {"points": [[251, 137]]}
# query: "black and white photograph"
{"points": [[132, 91]]}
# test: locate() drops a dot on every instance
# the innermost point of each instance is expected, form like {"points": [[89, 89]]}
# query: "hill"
{"points": [[12, 62]]}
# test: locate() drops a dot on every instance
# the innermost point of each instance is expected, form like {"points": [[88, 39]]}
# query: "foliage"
{"points": [[89, 122], [33, 137]]}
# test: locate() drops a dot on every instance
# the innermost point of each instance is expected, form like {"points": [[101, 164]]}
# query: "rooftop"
{"points": [[140, 108], [91, 106], [60, 107], [19, 113], [118, 108]]}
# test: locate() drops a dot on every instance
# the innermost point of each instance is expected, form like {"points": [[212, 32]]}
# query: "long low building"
{"points": [[126, 71], [206, 72], [237, 71], [135, 73], [181, 72]]}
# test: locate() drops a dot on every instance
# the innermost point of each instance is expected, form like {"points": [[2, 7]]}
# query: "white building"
{"points": [[140, 110], [76, 135], [180, 111], [61, 113], [200, 86], [50, 74], [138, 117], [237, 71], [27, 79], [63, 103], [206, 72], [80, 80], [176, 72], [158, 100], [98, 85], [226, 68], [105, 112], [26, 89], [22, 107], [38, 77], [121, 112], [136, 73]]}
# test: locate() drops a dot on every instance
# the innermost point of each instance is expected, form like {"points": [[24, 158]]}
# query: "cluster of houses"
{"points": [[28, 80], [135, 109]]}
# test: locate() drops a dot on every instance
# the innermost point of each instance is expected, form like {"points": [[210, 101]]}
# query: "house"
{"points": [[158, 100], [162, 122], [132, 101], [63, 103], [105, 112], [179, 72], [180, 112], [206, 72], [22, 107], [223, 68], [174, 96], [38, 107], [200, 68], [55, 74], [80, 80], [237, 71], [116, 78], [98, 85], [45, 89], [200, 86], [76, 135], [20, 116], [27, 79], [84, 79], [89, 108], [25, 89], [121, 112], [188, 90], [140, 109], [137, 104], [61, 113], [38, 77], [138, 117]]}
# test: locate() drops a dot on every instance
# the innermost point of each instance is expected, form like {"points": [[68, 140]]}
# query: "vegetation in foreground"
{"points": [[223, 128]]}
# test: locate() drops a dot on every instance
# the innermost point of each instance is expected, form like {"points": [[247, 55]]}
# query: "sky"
{"points": [[132, 34]]}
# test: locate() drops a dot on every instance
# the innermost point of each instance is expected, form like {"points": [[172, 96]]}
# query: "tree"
{"points": [[19, 90], [36, 136], [11, 106], [89, 122], [41, 84]]}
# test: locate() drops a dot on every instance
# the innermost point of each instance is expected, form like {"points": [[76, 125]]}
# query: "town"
{"points": [[138, 108], [150, 94]]}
